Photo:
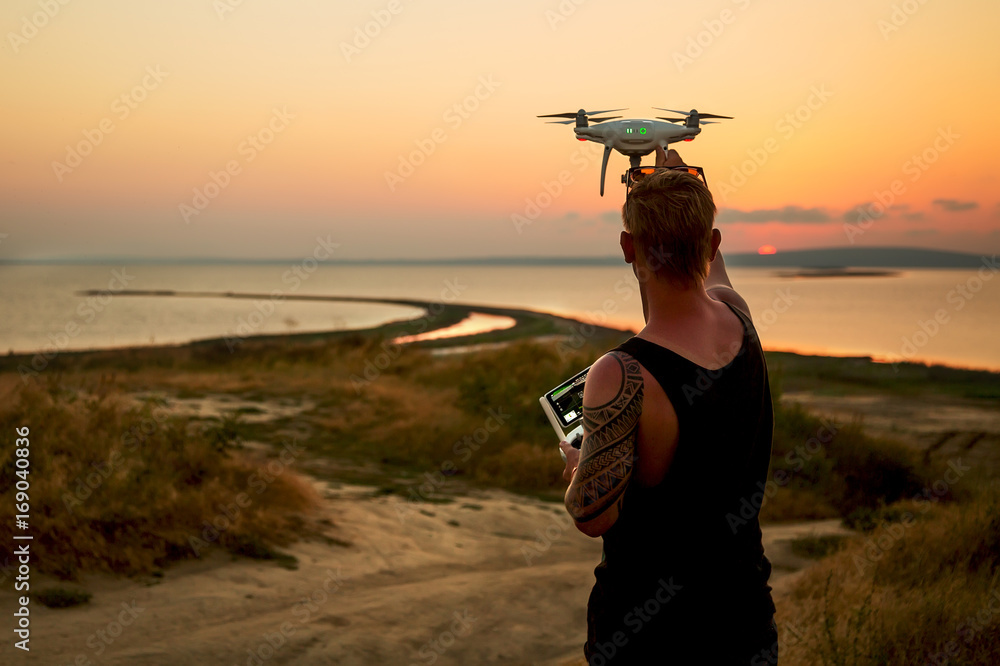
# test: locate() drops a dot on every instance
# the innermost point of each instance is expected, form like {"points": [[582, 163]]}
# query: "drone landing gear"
{"points": [[633, 161], [604, 166]]}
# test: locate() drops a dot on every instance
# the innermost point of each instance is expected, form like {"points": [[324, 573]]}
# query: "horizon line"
{"points": [[566, 259]]}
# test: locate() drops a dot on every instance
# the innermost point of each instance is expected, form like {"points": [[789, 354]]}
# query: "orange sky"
{"points": [[309, 118]]}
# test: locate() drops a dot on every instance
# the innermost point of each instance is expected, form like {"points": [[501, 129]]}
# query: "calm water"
{"points": [[890, 318]]}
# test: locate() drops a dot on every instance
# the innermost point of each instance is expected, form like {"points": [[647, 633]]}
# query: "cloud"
{"points": [[788, 214], [913, 217], [570, 222], [922, 232], [954, 205], [611, 217]]}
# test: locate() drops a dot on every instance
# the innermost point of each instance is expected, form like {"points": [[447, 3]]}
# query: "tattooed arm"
{"points": [[612, 404]]}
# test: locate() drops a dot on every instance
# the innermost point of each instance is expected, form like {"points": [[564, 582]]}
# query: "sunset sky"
{"points": [[247, 129]]}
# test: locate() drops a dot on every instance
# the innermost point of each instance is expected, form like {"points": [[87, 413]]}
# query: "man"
{"points": [[677, 431]]}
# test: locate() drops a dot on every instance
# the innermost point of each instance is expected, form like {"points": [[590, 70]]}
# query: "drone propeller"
{"points": [[570, 122], [692, 118], [574, 114], [581, 117], [694, 112]]}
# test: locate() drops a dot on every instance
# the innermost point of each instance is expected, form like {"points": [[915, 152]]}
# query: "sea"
{"points": [[947, 316]]}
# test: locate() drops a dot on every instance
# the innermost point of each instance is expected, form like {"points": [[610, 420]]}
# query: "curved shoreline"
{"points": [[437, 315], [530, 324]]}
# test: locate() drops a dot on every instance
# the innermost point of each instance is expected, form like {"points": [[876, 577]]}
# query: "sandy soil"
{"points": [[492, 578]]}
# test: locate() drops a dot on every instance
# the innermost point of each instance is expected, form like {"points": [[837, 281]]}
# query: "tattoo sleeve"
{"points": [[609, 445]]}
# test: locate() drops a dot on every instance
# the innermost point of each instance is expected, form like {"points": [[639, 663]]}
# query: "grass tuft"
{"points": [[61, 597]]}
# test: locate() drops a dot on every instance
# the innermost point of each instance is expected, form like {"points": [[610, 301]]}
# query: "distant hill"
{"points": [[859, 257]]}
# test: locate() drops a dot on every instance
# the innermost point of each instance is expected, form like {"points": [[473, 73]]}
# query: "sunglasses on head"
{"points": [[636, 174]]}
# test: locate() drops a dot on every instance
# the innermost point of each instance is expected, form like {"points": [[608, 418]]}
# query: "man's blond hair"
{"points": [[670, 215]]}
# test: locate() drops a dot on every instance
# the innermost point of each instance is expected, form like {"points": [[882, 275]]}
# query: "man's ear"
{"points": [[628, 247], [716, 241]]}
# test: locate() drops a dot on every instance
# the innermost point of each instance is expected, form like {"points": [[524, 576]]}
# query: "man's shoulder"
{"points": [[613, 374], [729, 295]]}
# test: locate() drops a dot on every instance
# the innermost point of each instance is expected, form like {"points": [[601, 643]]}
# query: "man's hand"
{"points": [[668, 158], [572, 459]]}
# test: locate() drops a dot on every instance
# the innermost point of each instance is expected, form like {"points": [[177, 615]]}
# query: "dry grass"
{"points": [[921, 591], [127, 490]]}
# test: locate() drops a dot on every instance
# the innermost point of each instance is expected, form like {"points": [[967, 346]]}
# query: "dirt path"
{"points": [[489, 579]]}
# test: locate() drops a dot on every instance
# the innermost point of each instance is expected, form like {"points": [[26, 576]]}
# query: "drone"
{"points": [[634, 137]]}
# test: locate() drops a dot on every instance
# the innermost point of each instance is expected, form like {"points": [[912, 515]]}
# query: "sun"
{"points": [[767, 249]]}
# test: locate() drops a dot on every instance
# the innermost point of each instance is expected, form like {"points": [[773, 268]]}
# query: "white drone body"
{"points": [[634, 137], [638, 136]]}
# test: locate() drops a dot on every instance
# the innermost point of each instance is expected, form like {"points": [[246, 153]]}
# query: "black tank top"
{"points": [[690, 548]]}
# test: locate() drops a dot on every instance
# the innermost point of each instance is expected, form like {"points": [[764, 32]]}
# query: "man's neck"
{"points": [[668, 307]]}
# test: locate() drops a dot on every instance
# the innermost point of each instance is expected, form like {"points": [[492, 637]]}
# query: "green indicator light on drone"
{"points": [[642, 130]]}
